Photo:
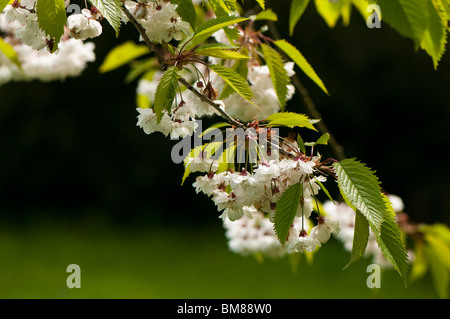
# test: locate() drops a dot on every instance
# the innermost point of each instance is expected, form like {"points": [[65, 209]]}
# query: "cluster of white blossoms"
{"points": [[20, 29], [181, 121], [159, 19], [346, 217], [248, 200]]}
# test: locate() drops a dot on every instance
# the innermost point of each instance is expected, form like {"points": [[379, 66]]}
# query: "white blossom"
{"points": [[83, 26]]}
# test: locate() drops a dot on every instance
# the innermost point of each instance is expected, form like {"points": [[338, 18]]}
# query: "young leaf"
{"points": [[295, 13], [301, 62], [262, 4], [278, 73], [222, 53], [121, 55], [323, 140], [9, 52], [209, 27], [325, 190], [331, 11], [290, 119], [301, 144], [52, 17], [266, 15], [234, 80], [360, 238], [3, 4], [435, 35], [111, 11], [165, 92], [286, 210]]}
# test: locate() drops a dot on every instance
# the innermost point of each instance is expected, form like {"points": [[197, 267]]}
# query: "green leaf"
{"points": [[437, 253], [325, 190], [240, 67], [389, 240], [221, 53], [323, 140], [408, 17], [435, 35], [121, 55], [286, 210], [206, 29], [236, 81], [266, 15], [9, 52], [361, 189], [262, 4], [295, 13], [111, 11], [332, 11], [301, 62], [278, 73], [420, 264], [301, 144], [439, 274], [290, 119], [52, 17], [186, 11], [165, 92], [3, 4], [360, 238]]}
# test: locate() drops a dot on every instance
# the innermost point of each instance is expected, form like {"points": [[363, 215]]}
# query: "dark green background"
{"points": [[71, 152]]}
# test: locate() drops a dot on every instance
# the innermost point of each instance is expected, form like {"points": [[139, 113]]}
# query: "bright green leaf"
{"points": [[290, 119], [332, 11], [121, 55], [295, 13], [236, 81], [435, 35], [360, 238], [262, 4], [210, 26], [323, 140], [266, 15], [165, 92], [286, 210], [8, 50], [3, 4], [111, 11], [52, 17], [301, 62], [222, 53], [301, 144], [278, 73]]}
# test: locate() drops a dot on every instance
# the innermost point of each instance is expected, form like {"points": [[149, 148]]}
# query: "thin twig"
{"points": [[159, 55]]}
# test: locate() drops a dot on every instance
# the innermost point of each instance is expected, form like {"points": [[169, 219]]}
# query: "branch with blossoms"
{"points": [[210, 58]]}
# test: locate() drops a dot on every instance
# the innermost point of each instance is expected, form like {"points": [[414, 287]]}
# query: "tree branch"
{"points": [[161, 60]]}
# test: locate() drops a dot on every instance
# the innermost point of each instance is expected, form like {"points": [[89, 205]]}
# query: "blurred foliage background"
{"points": [[80, 183]]}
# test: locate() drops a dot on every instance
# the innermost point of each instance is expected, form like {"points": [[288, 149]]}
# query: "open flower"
{"points": [[84, 26]]}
